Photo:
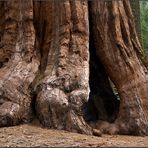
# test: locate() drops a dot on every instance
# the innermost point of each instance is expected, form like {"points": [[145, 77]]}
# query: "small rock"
{"points": [[97, 132]]}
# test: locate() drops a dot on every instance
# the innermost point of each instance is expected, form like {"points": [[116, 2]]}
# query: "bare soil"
{"points": [[33, 135]]}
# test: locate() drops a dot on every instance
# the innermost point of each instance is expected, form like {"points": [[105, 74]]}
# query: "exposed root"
{"points": [[15, 98], [119, 128], [60, 110]]}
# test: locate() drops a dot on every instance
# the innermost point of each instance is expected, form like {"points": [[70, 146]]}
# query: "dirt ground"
{"points": [[33, 135]]}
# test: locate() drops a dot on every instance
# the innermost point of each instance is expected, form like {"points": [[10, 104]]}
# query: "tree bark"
{"points": [[18, 60], [58, 31], [64, 87], [48, 49], [115, 34]]}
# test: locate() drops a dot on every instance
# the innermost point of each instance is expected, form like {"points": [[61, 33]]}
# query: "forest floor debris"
{"points": [[33, 135]]}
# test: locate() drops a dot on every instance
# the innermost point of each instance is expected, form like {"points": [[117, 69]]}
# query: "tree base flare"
{"points": [[56, 51], [15, 98], [120, 127], [58, 109]]}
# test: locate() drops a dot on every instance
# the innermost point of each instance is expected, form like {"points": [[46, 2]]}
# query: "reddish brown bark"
{"points": [[64, 87], [115, 35], [17, 45], [44, 60]]}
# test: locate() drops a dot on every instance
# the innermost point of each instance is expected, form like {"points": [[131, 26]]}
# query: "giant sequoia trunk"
{"points": [[19, 62], [117, 47], [63, 35], [59, 31], [48, 49]]}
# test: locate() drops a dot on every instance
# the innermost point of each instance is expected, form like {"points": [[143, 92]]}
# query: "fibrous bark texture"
{"points": [[56, 61], [17, 48], [64, 88], [114, 34]]}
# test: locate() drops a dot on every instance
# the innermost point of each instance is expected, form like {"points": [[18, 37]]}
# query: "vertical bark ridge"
{"points": [[44, 48], [17, 75], [64, 87], [9, 30], [123, 68]]}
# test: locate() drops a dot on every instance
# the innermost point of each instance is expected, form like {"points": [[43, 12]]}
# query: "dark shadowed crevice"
{"points": [[103, 103], [40, 25]]}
